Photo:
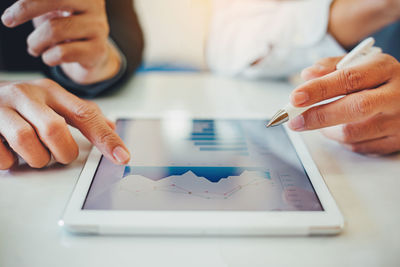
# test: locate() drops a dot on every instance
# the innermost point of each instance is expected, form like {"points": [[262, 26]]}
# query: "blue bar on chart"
{"points": [[207, 138]]}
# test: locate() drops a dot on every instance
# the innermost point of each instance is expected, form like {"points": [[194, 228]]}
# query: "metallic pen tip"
{"points": [[279, 118], [270, 123]]}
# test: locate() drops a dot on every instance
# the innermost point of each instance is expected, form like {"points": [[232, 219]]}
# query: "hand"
{"points": [[70, 33], [368, 116], [34, 117]]}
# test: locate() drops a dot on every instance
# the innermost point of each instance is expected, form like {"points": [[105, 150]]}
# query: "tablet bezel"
{"points": [[328, 221]]}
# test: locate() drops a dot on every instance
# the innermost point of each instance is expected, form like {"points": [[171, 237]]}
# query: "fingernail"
{"points": [[318, 67], [297, 124], [315, 68], [121, 155], [7, 18], [299, 98], [32, 53], [307, 74], [313, 72]]}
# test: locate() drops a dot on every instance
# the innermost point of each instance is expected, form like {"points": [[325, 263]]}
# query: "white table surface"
{"points": [[365, 188]]}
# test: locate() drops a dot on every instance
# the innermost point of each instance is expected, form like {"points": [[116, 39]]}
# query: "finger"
{"points": [[23, 139], [382, 146], [49, 126], [7, 158], [320, 68], [25, 10], [90, 121], [111, 124], [95, 128], [373, 128], [54, 133], [85, 53], [59, 30], [342, 82], [352, 108], [51, 15]]}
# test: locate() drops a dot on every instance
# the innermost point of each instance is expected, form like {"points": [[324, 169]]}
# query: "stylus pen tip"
{"points": [[273, 123], [269, 124], [279, 118]]}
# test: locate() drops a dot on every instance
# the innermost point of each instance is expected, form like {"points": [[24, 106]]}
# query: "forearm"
{"points": [[353, 20]]}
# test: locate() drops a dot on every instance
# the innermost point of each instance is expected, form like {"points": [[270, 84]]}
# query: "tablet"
{"points": [[203, 176]]}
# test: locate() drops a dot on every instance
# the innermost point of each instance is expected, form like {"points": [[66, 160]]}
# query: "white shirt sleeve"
{"points": [[282, 37]]}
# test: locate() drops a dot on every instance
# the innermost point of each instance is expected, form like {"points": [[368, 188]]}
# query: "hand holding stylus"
{"points": [[362, 53], [367, 118]]}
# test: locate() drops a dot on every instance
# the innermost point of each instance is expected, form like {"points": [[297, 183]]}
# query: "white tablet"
{"points": [[203, 176]]}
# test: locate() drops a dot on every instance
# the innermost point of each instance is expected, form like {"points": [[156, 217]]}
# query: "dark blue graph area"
{"points": [[213, 174]]}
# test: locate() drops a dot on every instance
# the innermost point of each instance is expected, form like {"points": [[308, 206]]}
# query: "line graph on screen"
{"points": [[199, 182]]}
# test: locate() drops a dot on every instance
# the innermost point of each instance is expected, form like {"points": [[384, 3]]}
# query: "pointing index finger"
{"points": [[343, 82], [91, 122], [87, 117]]}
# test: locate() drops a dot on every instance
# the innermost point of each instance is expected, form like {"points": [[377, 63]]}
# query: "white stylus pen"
{"points": [[360, 54]]}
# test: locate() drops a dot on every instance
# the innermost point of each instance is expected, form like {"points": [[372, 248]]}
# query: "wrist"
{"points": [[102, 71], [111, 65]]}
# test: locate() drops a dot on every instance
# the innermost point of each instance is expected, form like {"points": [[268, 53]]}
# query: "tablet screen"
{"points": [[182, 164]]}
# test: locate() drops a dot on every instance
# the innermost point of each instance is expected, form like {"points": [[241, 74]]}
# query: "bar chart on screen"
{"points": [[228, 138]]}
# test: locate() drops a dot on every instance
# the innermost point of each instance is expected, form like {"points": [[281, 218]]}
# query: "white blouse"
{"points": [[268, 38]]}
